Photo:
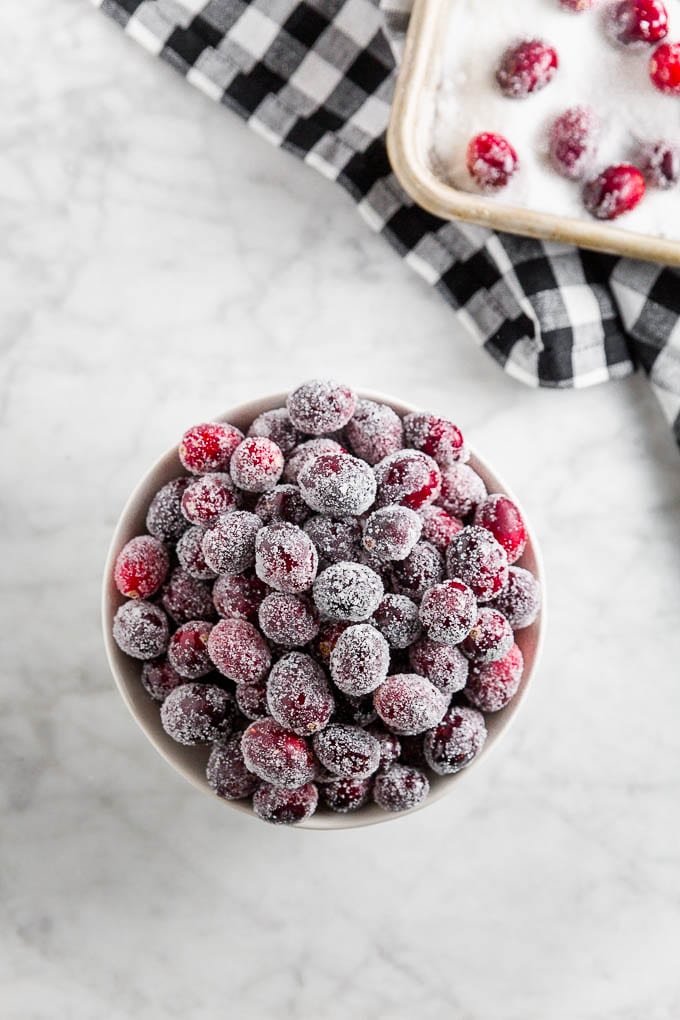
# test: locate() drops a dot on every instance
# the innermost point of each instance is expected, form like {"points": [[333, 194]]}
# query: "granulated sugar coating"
{"points": [[318, 584]]}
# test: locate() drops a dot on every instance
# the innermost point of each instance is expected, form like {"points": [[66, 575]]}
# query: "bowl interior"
{"points": [[191, 761]]}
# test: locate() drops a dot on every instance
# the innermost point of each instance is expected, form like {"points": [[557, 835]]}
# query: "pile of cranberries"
{"points": [[329, 602], [530, 65]]}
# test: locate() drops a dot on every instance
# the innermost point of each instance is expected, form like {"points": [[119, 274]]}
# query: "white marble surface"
{"points": [[157, 264]]}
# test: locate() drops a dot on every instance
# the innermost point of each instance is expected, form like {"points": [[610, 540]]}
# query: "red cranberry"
{"points": [[141, 567], [348, 591], [408, 477], [209, 447], [164, 518], [391, 532], [448, 611], [335, 539], [198, 714], [616, 191], [252, 700], [208, 498], [408, 704], [189, 551], [239, 651], [277, 755], [239, 596], [360, 660], [140, 629], [226, 771], [321, 405], [491, 161], [491, 685], [573, 142], [298, 695], [439, 527], [290, 620], [159, 678], [443, 665], [397, 620], [184, 598], [502, 518], [660, 164], [490, 638], [306, 452], [374, 431], [256, 464], [285, 807], [390, 745], [475, 557], [337, 484], [525, 68], [285, 558], [637, 22], [438, 437], [421, 569], [347, 751], [400, 788], [456, 741], [282, 503], [188, 649], [520, 599], [329, 632], [277, 426], [462, 490], [344, 795], [229, 546]]}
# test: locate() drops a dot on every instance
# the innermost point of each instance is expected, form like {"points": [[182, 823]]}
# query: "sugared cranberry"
{"points": [[277, 426], [344, 795], [256, 464], [637, 22], [422, 568], [438, 437], [164, 518], [439, 527], [285, 558], [390, 744], [491, 161], [660, 164], [140, 629], [226, 771], [337, 484], [475, 557], [184, 598], [198, 714], [208, 498], [229, 546], [360, 660], [400, 788], [306, 452], [285, 807], [141, 567], [617, 190], [455, 741], [491, 685], [374, 431], [329, 632], [573, 141], [409, 704], [348, 591], [298, 695], [252, 699], [443, 665], [321, 405], [188, 649], [502, 518], [462, 490], [276, 755], [397, 620], [159, 678], [336, 539], [283, 503], [239, 651], [520, 599], [239, 597], [490, 638], [391, 532], [448, 611], [407, 477], [209, 447], [527, 67], [189, 551], [289, 620], [347, 751]]}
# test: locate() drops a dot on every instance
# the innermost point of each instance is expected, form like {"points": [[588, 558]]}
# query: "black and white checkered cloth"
{"points": [[316, 77]]}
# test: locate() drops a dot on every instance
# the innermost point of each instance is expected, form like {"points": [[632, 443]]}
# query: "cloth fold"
{"points": [[316, 77]]}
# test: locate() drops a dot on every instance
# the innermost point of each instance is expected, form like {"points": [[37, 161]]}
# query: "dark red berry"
{"points": [[289, 620], [226, 771], [347, 751], [277, 426], [520, 599], [462, 490], [239, 596], [409, 478], [491, 161], [491, 685], [229, 546], [422, 568], [184, 598], [252, 699], [438, 437], [617, 190], [285, 557], [188, 649], [198, 714], [298, 695], [443, 665], [344, 795], [573, 141], [360, 660], [159, 678], [390, 744], [400, 788], [348, 591], [660, 164], [285, 807], [337, 484], [164, 518], [276, 755], [141, 567], [321, 405], [391, 532], [490, 638], [637, 22], [335, 539], [283, 503], [439, 527], [475, 557], [374, 431], [209, 447], [397, 620], [502, 518], [306, 452], [140, 629], [448, 611], [239, 651], [408, 704], [189, 551], [208, 498], [527, 67], [455, 741]]}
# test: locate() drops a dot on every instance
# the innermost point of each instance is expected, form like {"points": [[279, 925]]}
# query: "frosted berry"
{"points": [[344, 795], [397, 620], [208, 447], [329, 632], [189, 551], [277, 426], [256, 464], [239, 651], [455, 741], [360, 660], [422, 568], [141, 567], [374, 431], [475, 557], [239, 596], [140, 629], [448, 611], [298, 695], [285, 558], [276, 755], [198, 713], [321, 406], [490, 638], [282, 503], [347, 751], [445, 666], [390, 744], [289, 620], [408, 477], [462, 490], [226, 771], [491, 685], [336, 539], [285, 807], [348, 591], [164, 518], [491, 161], [391, 532], [525, 68], [208, 498], [438, 437], [306, 452], [400, 788], [188, 650], [502, 518], [637, 22], [572, 141], [409, 704], [337, 484], [439, 527], [229, 546], [617, 190], [252, 699], [660, 164], [520, 599], [159, 678], [184, 598]]}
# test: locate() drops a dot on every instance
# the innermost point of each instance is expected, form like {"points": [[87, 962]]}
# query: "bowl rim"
{"points": [[324, 821]]}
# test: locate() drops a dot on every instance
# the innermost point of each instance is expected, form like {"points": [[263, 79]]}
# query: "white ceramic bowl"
{"points": [[190, 761]]}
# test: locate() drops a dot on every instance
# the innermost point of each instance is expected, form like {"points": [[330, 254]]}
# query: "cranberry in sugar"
{"points": [[337, 484], [491, 161], [391, 532], [439, 527], [198, 713], [407, 477], [637, 22], [164, 518], [159, 678], [285, 807], [520, 599], [572, 141], [277, 426], [226, 771], [444, 666], [188, 649], [448, 611], [491, 685], [276, 755], [140, 629], [475, 557], [184, 598], [491, 637], [422, 568], [360, 660], [438, 437], [189, 551], [347, 751], [252, 700], [141, 567], [256, 464], [239, 596], [660, 164], [374, 431], [208, 498], [346, 794], [400, 788], [499, 515], [285, 558], [306, 452], [397, 620], [525, 68], [298, 694], [208, 447], [390, 744], [409, 704], [282, 503], [455, 741], [321, 405], [348, 591], [289, 620], [229, 546], [336, 539], [617, 190], [462, 490], [239, 651]]}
